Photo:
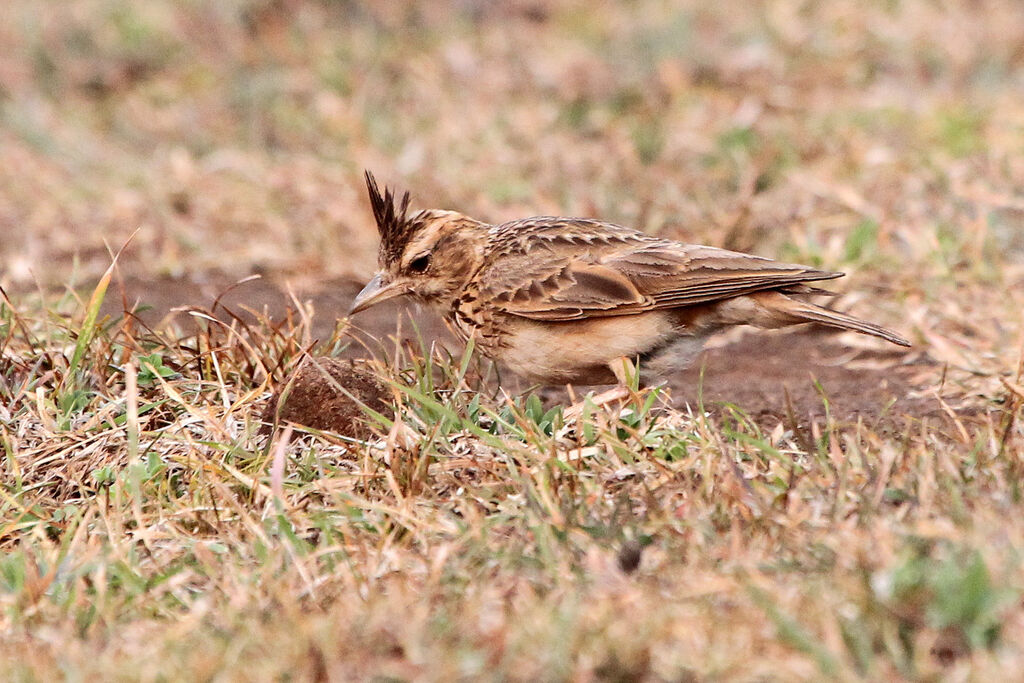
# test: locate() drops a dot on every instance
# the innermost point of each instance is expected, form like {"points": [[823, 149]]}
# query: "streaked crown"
{"points": [[394, 224]]}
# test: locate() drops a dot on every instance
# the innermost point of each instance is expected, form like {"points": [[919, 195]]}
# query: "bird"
{"points": [[579, 301]]}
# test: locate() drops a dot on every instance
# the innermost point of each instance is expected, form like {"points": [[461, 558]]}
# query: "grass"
{"points": [[151, 533]]}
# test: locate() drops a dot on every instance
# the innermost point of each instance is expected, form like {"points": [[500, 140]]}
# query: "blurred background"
{"points": [[881, 137]]}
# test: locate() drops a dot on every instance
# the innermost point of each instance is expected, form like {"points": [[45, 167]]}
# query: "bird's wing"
{"points": [[569, 269]]}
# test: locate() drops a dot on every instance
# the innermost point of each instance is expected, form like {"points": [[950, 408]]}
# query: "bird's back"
{"points": [[548, 268]]}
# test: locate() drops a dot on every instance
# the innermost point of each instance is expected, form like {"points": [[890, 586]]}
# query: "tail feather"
{"points": [[805, 311]]}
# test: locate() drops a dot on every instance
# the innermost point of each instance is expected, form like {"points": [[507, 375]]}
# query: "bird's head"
{"points": [[431, 254]]}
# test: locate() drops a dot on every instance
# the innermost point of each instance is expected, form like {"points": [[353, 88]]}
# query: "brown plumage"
{"points": [[565, 300]]}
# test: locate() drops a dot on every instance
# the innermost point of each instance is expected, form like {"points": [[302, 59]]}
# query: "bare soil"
{"points": [[329, 394], [754, 372]]}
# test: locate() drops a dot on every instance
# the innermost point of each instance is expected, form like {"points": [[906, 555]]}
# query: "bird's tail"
{"points": [[806, 311]]}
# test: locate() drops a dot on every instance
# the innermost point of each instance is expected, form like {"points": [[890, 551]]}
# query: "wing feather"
{"points": [[581, 269]]}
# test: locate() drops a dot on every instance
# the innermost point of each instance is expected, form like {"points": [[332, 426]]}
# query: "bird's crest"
{"points": [[393, 223]]}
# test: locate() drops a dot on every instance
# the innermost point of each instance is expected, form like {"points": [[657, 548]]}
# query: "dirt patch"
{"points": [[165, 301], [326, 393], [755, 372], [819, 375]]}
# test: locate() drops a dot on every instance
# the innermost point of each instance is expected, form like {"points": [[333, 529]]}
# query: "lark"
{"points": [[582, 301]]}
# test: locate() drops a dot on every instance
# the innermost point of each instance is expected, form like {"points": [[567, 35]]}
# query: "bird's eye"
{"points": [[420, 263]]}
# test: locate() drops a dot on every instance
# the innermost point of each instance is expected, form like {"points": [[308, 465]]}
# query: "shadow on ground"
{"points": [[754, 371]]}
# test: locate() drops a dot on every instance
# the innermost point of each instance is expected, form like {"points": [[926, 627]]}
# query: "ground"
{"points": [[753, 372], [799, 505]]}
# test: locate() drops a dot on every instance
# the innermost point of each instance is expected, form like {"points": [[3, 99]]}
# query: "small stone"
{"points": [[630, 554]]}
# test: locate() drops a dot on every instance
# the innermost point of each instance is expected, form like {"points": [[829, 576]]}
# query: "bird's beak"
{"points": [[376, 290]]}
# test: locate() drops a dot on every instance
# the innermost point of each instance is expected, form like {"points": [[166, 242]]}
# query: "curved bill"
{"points": [[375, 291]]}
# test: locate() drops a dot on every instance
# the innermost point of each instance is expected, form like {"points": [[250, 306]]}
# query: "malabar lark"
{"points": [[576, 300]]}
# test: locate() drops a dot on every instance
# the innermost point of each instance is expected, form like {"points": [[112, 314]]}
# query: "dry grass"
{"points": [[150, 533]]}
